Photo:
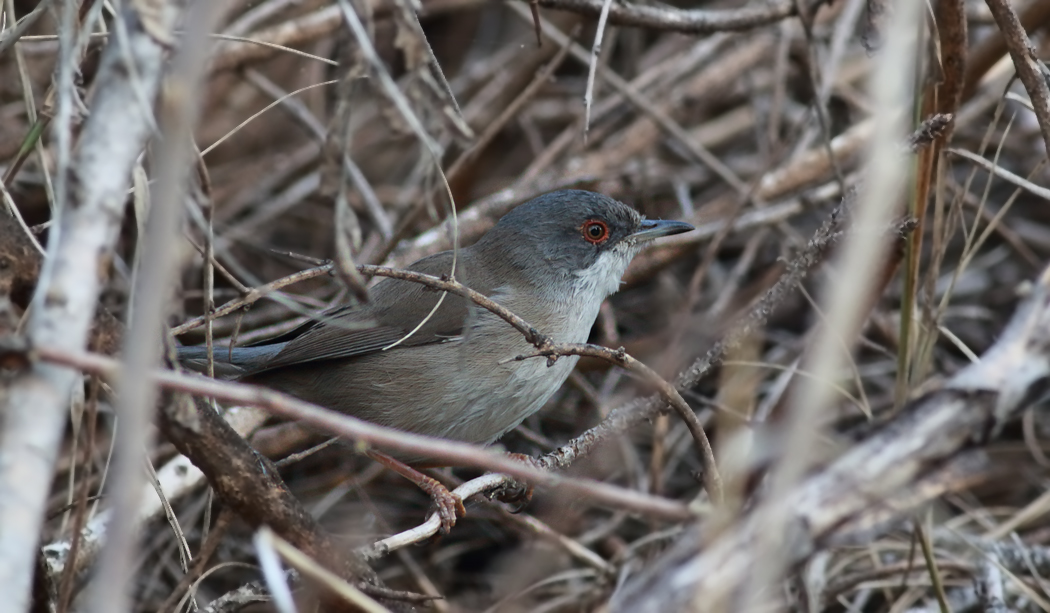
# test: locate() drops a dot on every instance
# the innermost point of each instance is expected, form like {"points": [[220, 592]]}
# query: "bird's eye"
{"points": [[595, 231]]}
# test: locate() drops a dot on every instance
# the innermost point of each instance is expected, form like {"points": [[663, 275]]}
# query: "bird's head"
{"points": [[575, 242]]}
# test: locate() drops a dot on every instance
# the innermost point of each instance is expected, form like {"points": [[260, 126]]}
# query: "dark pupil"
{"points": [[595, 230]]}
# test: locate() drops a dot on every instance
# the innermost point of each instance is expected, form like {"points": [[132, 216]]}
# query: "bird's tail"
{"points": [[229, 364]]}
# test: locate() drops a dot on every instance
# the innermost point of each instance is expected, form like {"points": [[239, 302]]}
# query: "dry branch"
{"points": [[927, 434], [177, 114], [362, 432], [695, 21], [249, 484], [36, 406], [1030, 69], [177, 478]]}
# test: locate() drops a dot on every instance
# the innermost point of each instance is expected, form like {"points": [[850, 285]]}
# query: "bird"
{"points": [[552, 261]]}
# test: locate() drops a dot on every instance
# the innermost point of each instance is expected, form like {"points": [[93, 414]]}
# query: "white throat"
{"points": [[603, 278]]}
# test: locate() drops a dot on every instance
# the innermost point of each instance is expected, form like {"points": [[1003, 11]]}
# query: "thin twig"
{"points": [[694, 21], [363, 432], [592, 69], [1030, 69], [620, 357], [254, 295]]}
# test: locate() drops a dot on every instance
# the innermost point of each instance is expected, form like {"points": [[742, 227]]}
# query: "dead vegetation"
{"points": [[860, 320]]}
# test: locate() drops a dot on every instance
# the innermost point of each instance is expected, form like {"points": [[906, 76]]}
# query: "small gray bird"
{"points": [[552, 261]]}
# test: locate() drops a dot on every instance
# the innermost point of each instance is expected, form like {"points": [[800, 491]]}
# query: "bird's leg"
{"points": [[518, 494], [449, 506]]}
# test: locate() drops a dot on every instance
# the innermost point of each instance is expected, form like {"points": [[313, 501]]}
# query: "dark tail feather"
{"points": [[229, 365]]}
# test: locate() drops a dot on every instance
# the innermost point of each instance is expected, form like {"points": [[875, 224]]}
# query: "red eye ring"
{"points": [[595, 231]]}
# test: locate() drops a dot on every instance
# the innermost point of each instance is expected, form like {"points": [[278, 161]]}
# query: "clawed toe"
{"points": [[449, 508], [516, 494]]}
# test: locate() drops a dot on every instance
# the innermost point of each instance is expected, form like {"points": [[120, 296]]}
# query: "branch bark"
{"points": [[1026, 62], [690, 21], [250, 484], [177, 113], [37, 401]]}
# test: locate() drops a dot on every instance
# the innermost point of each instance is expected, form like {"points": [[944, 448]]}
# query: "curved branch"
{"points": [[712, 479]]}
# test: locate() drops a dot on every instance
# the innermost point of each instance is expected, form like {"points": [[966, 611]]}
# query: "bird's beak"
{"points": [[655, 228]]}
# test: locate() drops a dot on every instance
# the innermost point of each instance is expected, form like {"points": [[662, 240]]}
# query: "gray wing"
{"points": [[396, 308]]}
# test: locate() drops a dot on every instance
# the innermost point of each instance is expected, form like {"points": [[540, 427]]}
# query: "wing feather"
{"points": [[396, 308]]}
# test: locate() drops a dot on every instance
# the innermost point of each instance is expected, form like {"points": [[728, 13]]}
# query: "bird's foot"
{"points": [[449, 506], [516, 493]]}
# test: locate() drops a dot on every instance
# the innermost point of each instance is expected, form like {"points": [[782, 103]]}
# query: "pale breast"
{"points": [[499, 394], [464, 389]]}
